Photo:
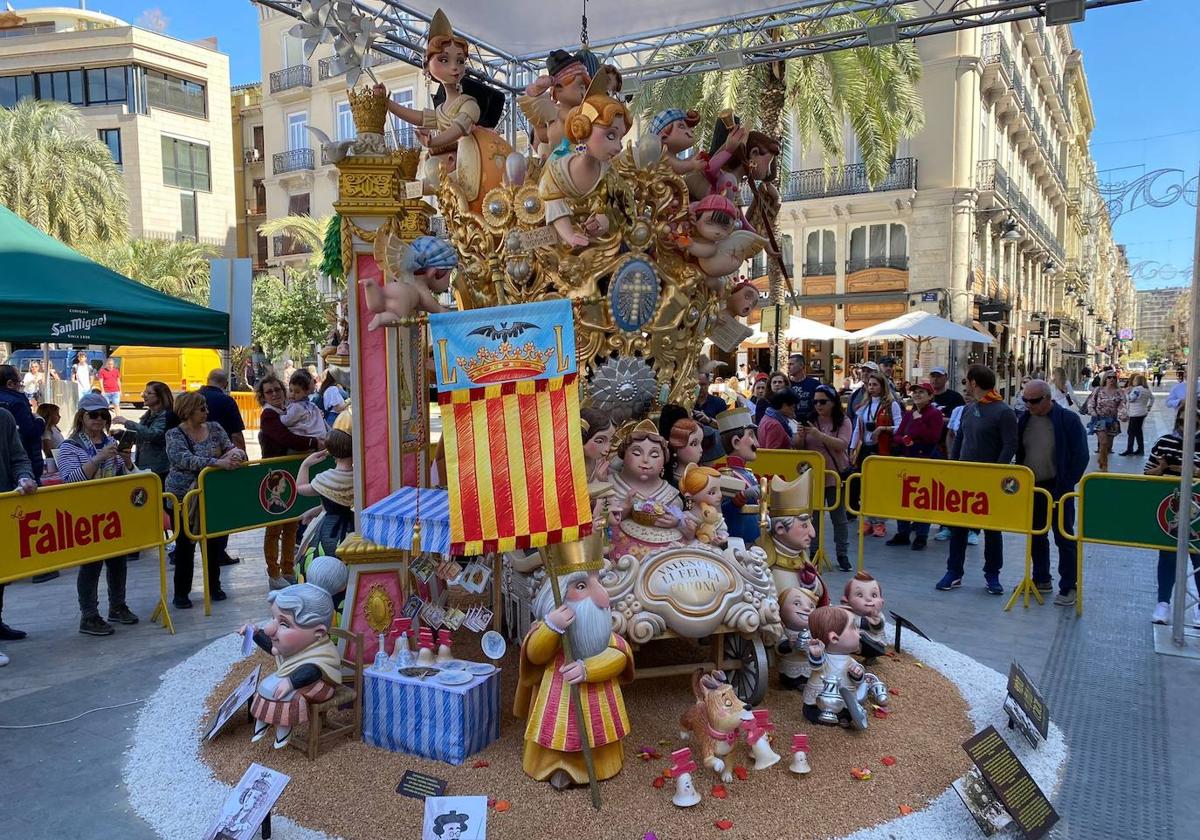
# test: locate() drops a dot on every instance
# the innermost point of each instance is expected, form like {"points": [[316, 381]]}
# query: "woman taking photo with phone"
{"points": [[878, 417]]}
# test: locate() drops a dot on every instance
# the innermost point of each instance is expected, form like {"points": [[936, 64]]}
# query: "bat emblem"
{"points": [[503, 332]]}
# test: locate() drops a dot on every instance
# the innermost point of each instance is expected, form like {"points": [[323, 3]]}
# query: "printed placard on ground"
{"points": [[461, 817], [240, 697], [70, 524], [1029, 700], [1137, 510], [420, 785], [248, 804], [981, 801], [1008, 777], [256, 494], [996, 497]]}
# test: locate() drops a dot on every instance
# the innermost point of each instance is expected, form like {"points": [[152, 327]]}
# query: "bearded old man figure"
{"points": [[602, 660]]}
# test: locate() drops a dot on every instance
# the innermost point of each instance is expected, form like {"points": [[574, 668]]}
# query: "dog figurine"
{"points": [[712, 723]]}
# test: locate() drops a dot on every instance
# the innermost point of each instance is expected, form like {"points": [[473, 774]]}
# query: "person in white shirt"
{"points": [[1138, 402], [1060, 389], [1179, 390], [81, 373]]}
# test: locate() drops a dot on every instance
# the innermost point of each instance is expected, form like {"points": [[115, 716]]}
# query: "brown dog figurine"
{"points": [[713, 721]]}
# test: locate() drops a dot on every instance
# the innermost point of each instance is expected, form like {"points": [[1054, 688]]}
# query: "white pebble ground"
{"points": [[178, 796]]}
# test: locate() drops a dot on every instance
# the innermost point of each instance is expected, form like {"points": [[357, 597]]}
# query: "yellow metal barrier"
{"points": [[84, 522], [247, 403], [787, 463]]}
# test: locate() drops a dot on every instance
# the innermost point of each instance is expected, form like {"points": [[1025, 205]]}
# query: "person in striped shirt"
{"points": [[1166, 458]]}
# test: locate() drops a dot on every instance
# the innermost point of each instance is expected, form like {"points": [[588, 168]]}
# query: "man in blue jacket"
{"points": [[1051, 441]]}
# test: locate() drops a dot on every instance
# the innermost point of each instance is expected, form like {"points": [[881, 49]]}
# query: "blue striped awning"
{"points": [[389, 522]]}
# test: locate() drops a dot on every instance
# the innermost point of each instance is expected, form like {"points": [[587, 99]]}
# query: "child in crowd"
{"points": [[52, 437], [302, 417], [335, 487]]}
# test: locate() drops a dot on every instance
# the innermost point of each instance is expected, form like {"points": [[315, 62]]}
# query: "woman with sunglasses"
{"points": [[919, 435], [878, 417], [1105, 405], [90, 453], [192, 446], [829, 433], [1139, 402]]}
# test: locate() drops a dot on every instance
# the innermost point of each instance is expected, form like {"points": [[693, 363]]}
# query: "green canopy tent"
{"points": [[50, 293]]}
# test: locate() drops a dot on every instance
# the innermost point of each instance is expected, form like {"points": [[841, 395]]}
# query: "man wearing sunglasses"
{"points": [[1051, 441]]}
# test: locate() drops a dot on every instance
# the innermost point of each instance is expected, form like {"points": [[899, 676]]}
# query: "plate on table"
{"points": [[454, 665], [480, 669], [454, 677], [419, 672]]}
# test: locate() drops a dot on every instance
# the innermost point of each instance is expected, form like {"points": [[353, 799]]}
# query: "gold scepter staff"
{"points": [[726, 117], [575, 557]]}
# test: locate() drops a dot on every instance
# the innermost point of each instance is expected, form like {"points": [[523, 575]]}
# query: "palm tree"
{"points": [[874, 89], [309, 230], [175, 267], [58, 176]]}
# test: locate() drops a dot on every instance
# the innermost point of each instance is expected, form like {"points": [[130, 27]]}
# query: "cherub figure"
{"points": [[742, 300], [550, 98], [701, 490], [715, 242], [427, 265], [599, 124]]}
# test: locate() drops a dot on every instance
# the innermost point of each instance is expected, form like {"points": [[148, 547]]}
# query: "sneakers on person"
{"points": [[278, 582], [972, 538], [949, 581], [942, 535], [898, 539], [1162, 613], [866, 527], [3, 660], [94, 625], [844, 563], [217, 595], [122, 615], [8, 634], [226, 560], [1045, 586], [919, 544], [181, 603], [879, 529], [1065, 599], [992, 583]]}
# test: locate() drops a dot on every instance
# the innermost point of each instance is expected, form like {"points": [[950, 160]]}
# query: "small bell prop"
{"points": [[799, 764], [402, 654], [425, 657], [682, 768], [444, 654], [760, 744]]}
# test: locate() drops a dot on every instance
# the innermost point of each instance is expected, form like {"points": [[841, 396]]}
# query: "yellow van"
{"points": [[182, 369]]}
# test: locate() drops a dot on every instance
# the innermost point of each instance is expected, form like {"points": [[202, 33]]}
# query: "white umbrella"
{"points": [[917, 326], [799, 329]]}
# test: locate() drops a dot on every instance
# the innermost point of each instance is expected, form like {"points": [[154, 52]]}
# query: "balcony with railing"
{"points": [[990, 177], [291, 78], [251, 156], [326, 69], [293, 160], [812, 268], [846, 180], [897, 262], [404, 137], [254, 208], [287, 246]]}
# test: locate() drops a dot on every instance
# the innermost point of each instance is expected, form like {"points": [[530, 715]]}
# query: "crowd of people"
{"points": [[176, 438]]}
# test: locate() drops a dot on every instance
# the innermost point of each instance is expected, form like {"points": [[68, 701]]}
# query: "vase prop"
{"points": [[760, 744], [402, 654], [443, 653], [799, 764], [685, 790], [382, 663], [425, 657]]}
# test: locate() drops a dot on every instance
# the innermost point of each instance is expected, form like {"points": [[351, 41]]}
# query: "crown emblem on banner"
{"points": [[506, 363]]}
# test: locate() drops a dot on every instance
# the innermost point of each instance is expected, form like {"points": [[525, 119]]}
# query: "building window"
{"points": [[878, 246], [111, 137], [188, 223], [819, 253], [297, 131], [293, 51], [345, 121], [107, 85], [402, 132], [15, 88], [185, 165], [299, 205], [62, 86], [175, 94]]}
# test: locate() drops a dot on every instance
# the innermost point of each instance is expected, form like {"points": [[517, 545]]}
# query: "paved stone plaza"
{"points": [[1126, 712]]}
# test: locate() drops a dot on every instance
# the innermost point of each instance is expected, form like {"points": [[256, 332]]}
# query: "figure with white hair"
{"points": [[601, 662], [309, 666]]}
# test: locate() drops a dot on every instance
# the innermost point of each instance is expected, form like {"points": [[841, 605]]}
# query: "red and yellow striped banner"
{"points": [[514, 451]]}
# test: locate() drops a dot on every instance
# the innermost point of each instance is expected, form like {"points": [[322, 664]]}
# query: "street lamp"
{"points": [[1012, 231], [1050, 268]]}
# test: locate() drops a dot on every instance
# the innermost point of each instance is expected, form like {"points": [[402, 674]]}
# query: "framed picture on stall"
{"points": [[375, 596]]}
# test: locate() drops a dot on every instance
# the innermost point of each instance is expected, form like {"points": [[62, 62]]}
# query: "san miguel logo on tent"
{"points": [[1168, 516], [78, 326], [277, 491]]}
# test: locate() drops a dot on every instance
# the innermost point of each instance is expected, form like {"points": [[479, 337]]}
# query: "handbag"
{"points": [[1085, 407]]}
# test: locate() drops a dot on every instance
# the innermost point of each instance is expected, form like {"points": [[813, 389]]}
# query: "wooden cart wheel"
{"points": [[749, 680]]}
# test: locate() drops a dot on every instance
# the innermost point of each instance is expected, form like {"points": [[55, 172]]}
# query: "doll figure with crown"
{"points": [[790, 534], [645, 507]]}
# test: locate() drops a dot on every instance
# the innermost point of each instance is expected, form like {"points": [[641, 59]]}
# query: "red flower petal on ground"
{"points": [[881, 713], [658, 782], [905, 810], [481, 763], [888, 760], [503, 805], [724, 825], [741, 772], [719, 791], [894, 691]]}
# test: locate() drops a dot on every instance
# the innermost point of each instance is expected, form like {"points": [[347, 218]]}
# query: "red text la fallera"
{"points": [[66, 531], [933, 495]]}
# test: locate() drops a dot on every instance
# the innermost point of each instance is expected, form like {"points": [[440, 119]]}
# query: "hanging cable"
{"points": [[583, 33]]}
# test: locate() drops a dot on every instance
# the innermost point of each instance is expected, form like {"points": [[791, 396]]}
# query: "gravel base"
{"points": [[167, 749]]}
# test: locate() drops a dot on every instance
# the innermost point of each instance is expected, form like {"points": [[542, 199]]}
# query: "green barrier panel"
{"points": [[256, 494], [1134, 510]]}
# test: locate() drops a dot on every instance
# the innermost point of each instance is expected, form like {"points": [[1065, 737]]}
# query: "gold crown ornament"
{"points": [[369, 110], [506, 362], [585, 555], [791, 498]]}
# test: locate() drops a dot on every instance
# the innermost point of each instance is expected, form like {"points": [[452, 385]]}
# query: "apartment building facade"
{"points": [[160, 104], [989, 217], [299, 93]]}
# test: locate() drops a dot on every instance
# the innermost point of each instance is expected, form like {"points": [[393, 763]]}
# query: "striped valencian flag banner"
{"points": [[508, 390]]}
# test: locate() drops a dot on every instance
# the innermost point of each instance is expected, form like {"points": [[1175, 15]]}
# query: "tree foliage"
{"points": [[58, 176], [175, 267], [308, 229], [288, 316]]}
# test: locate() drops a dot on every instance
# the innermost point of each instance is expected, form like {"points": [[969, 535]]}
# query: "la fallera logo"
{"points": [[933, 495], [66, 531]]}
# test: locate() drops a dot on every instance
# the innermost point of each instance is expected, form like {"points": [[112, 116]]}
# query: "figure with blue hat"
{"points": [[426, 265], [739, 439]]}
